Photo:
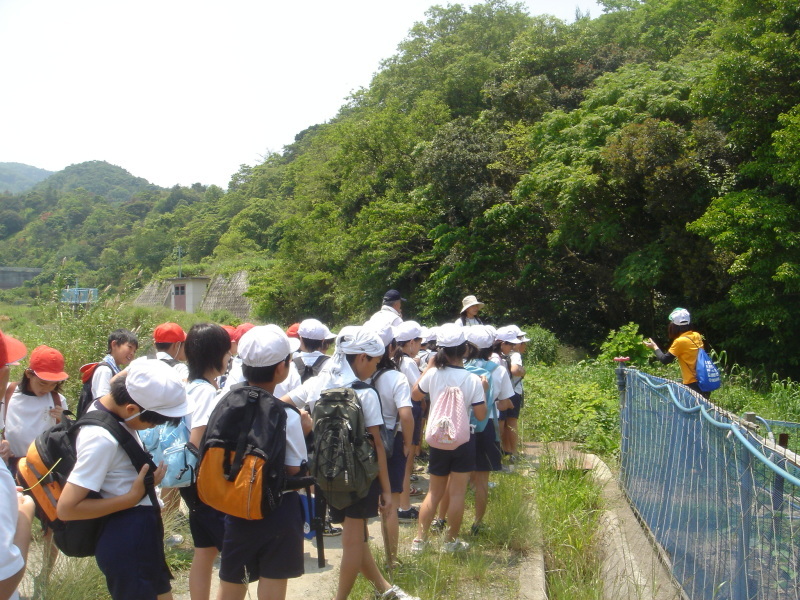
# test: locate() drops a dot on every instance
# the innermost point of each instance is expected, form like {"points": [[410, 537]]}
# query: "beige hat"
{"points": [[470, 301]]}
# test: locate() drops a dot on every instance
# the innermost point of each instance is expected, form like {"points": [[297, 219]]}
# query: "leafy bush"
{"points": [[627, 341], [543, 347]]}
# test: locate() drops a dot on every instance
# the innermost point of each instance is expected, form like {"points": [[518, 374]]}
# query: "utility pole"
{"points": [[179, 250]]}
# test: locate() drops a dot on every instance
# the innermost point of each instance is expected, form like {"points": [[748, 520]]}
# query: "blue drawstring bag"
{"points": [[170, 444], [707, 373]]}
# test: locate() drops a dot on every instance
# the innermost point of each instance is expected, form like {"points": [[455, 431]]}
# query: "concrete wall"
{"points": [[11, 277], [220, 293]]}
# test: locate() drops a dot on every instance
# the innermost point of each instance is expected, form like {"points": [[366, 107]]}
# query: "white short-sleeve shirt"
{"points": [[435, 381], [409, 368], [101, 380], [27, 416], [203, 399], [516, 359], [102, 465], [296, 451], [11, 560], [308, 393], [395, 393]]}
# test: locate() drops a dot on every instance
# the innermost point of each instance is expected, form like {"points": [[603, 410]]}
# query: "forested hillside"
{"points": [[16, 177], [578, 176]]}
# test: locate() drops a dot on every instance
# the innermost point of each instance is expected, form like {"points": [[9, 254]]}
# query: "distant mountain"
{"points": [[16, 177], [98, 177]]}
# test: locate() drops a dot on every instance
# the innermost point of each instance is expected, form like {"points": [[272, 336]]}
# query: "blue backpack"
{"points": [[484, 369], [707, 373]]}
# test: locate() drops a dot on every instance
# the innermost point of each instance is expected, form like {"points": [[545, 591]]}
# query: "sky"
{"points": [[186, 91]]}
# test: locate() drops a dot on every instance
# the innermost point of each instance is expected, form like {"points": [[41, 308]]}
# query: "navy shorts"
{"points": [[130, 553], [366, 508], [513, 412], [460, 460], [206, 524], [397, 465], [487, 449], [271, 548], [416, 412]]}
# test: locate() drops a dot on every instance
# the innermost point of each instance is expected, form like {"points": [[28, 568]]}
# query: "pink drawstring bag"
{"points": [[448, 422]]}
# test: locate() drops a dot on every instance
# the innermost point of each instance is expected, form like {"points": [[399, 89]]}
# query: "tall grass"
{"points": [[569, 505]]}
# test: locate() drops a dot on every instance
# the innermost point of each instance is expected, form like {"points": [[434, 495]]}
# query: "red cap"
{"points": [[11, 350], [292, 330], [48, 364], [241, 330], [169, 333], [230, 329]]}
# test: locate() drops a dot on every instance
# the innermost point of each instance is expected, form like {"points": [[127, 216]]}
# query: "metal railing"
{"points": [[722, 503]]}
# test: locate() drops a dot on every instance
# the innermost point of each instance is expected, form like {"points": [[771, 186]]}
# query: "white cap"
{"points": [[407, 331], [431, 335], [450, 335], [480, 336], [314, 330], [680, 316], [385, 331], [264, 346], [157, 387], [507, 334], [520, 334]]}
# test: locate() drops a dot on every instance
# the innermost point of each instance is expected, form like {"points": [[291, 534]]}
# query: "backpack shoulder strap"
{"points": [[319, 362], [298, 362], [138, 456]]}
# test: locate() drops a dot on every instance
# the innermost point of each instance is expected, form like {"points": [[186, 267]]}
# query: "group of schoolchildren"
{"points": [[398, 369]]}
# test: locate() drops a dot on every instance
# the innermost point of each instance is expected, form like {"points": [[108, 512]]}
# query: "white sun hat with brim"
{"points": [[470, 301], [450, 335], [480, 336], [157, 387], [264, 346]]}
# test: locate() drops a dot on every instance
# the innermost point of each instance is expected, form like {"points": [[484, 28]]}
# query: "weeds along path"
{"points": [[594, 546]]}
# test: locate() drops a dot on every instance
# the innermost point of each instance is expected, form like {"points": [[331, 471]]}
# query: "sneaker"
{"points": [[414, 491], [331, 531], [414, 478], [407, 516], [418, 546], [477, 528], [419, 469], [176, 539], [395, 593], [455, 546], [438, 525]]}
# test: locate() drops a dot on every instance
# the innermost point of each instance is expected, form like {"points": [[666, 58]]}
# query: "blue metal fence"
{"points": [[723, 503]]}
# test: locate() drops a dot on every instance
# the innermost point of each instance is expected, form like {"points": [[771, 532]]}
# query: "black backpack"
{"points": [[85, 398], [307, 371], [242, 455], [50, 460]]}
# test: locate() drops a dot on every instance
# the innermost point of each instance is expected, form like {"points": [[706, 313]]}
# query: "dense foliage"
{"points": [[16, 177], [580, 176]]}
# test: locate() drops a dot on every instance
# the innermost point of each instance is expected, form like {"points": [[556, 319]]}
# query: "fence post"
{"points": [[739, 589], [624, 417]]}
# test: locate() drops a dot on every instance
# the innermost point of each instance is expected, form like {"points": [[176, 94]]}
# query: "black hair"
{"points": [[122, 336], [312, 345], [255, 375], [444, 355], [121, 398], [473, 352], [163, 346], [673, 331], [401, 352], [206, 346], [24, 384], [386, 361]]}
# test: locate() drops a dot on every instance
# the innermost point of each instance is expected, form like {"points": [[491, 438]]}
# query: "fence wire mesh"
{"points": [[722, 503]]}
